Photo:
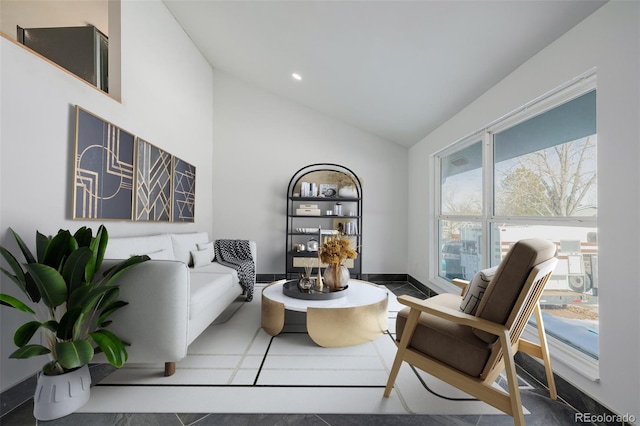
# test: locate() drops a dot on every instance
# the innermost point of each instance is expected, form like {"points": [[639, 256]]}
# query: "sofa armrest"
{"points": [[155, 322]]}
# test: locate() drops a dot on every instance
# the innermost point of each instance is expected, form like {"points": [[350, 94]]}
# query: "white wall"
{"points": [[608, 40], [261, 140], [166, 99]]}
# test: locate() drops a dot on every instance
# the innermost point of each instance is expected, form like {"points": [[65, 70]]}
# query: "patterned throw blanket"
{"points": [[236, 254]]}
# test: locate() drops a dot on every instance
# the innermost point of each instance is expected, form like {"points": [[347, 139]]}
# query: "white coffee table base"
{"points": [[359, 317]]}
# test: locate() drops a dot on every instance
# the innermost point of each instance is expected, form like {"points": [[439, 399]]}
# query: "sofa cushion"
{"points": [[209, 248], [125, 247], [164, 254], [183, 244], [206, 289], [453, 344], [200, 258]]}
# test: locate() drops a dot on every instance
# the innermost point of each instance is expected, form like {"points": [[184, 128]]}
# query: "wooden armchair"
{"points": [[470, 351]]}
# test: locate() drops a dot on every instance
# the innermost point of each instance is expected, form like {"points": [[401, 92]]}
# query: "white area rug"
{"points": [[235, 367]]}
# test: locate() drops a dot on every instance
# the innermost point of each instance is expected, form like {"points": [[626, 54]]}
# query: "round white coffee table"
{"points": [[358, 317]]}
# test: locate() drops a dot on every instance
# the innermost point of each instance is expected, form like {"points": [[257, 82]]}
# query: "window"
{"points": [[532, 174]]}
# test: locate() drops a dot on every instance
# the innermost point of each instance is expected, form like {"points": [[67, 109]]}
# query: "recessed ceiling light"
{"points": [[296, 76]]}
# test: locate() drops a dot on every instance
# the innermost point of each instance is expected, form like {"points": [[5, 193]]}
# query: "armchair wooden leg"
{"points": [[512, 380], [542, 336], [169, 368], [393, 374], [409, 327]]}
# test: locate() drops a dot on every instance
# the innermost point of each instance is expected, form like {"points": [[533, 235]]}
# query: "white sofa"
{"points": [[173, 297]]}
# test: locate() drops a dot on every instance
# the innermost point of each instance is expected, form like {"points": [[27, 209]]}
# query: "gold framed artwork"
{"points": [[103, 169], [153, 182], [118, 176]]}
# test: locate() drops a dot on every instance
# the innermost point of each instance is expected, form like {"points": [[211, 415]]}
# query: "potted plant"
{"points": [[71, 305]]}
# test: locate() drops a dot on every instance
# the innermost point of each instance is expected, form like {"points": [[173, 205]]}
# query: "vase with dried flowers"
{"points": [[334, 251]]}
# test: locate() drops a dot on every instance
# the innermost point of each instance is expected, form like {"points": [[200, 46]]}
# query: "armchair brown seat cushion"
{"points": [[455, 345], [462, 347]]}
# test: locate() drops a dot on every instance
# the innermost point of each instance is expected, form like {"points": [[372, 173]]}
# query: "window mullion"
{"points": [[487, 196]]}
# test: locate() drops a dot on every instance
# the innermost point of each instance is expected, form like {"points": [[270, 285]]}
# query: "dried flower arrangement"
{"points": [[336, 249]]}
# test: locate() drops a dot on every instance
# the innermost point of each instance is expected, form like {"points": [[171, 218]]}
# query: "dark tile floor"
{"points": [[535, 397]]}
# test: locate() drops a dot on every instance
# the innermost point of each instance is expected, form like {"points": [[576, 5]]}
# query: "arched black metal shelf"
{"points": [[332, 178]]}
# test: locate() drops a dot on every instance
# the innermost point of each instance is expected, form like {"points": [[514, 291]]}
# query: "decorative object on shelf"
{"points": [[335, 250], [328, 190], [346, 226], [309, 189], [347, 192], [312, 245], [73, 309], [338, 208], [308, 210]]}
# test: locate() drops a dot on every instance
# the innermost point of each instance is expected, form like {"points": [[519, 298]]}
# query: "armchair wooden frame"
{"points": [[502, 355]]}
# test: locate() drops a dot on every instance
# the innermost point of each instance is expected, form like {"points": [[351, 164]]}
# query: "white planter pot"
{"points": [[58, 396]]}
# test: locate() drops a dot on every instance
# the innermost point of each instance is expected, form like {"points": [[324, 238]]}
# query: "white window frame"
{"points": [[581, 85]]}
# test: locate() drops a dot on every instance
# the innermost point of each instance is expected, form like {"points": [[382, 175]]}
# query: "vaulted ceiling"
{"points": [[396, 69]]}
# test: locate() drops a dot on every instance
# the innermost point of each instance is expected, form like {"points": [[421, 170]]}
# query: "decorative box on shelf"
{"points": [[308, 210]]}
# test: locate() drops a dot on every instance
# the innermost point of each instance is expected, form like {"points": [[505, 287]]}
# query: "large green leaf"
{"points": [[7, 300], [67, 323], [23, 247], [110, 310], [83, 236], [25, 332], [15, 267], [74, 268], [112, 274], [28, 351], [86, 297], [73, 354], [110, 296], [98, 247], [42, 241], [112, 347], [102, 246], [22, 284], [50, 283], [57, 249], [32, 288], [51, 325]]}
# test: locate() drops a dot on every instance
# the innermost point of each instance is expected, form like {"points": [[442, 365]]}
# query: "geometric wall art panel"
{"points": [[153, 183], [184, 191], [103, 169]]}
